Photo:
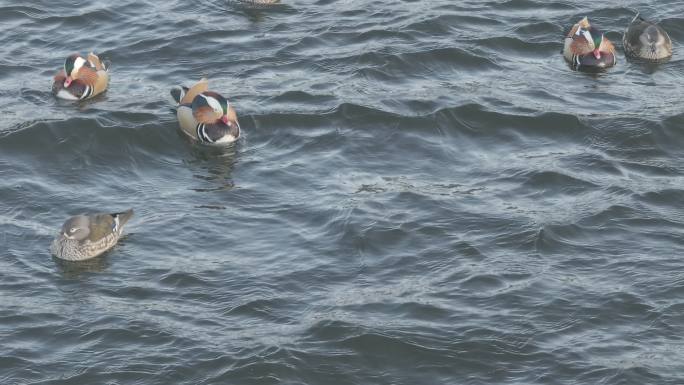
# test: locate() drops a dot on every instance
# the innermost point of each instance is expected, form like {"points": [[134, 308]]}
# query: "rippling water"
{"points": [[425, 194]]}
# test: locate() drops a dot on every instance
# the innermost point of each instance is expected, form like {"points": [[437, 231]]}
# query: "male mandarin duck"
{"points": [[646, 40], [204, 115], [81, 78], [586, 47]]}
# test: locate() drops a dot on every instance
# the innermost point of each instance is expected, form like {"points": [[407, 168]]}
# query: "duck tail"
{"points": [[96, 62], [123, 216], [177, 93]]}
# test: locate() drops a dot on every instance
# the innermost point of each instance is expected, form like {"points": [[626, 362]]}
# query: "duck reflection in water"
{"points": [[75, 269], [213, 167]]}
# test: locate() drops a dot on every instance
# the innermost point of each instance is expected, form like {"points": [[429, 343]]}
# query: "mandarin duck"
{"points": [[586, 47], [204, 115], [81, 78]]}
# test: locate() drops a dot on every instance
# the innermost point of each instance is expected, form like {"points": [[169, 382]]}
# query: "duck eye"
{"points": [[73, 230]]}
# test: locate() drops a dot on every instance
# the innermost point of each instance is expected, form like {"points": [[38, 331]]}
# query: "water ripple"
{"points": [[424, 190]]}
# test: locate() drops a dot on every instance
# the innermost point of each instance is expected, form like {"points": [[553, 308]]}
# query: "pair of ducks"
{"points": [[203, 115], [586, 47]]}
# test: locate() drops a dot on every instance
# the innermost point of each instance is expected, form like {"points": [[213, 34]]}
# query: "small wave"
{"points": [[107, 133], [20, 13]]}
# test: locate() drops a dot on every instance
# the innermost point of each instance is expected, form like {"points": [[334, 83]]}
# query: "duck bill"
{"points": [[68, 81], [597, 54], [224, 119]]}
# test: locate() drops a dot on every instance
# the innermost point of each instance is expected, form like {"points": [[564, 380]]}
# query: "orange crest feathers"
{"points": [[607, 46], [581, 46], [232, 115]]}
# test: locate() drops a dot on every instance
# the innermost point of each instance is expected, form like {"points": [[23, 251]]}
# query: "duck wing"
{"points": [[95, 61], [104, 225]]}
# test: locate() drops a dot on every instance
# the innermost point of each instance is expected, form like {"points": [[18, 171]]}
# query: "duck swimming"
{"points": [[205, 116], [81, 78], [646, 40], [586, 47], [87, 236]]}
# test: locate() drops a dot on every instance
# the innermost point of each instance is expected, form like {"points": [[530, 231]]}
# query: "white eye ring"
{"points": [[73, 230]]}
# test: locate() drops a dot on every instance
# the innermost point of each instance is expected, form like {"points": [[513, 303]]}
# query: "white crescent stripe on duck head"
{"points": [[587, 35], [214, 104], [78, 63]]}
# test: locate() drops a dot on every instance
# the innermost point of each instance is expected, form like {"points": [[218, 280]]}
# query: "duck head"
{"points": [[209, 107], [597, 40], [76, 228], [72, 64]]}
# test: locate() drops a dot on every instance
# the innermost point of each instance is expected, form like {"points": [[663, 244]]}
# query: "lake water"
{"points": [[425, 193]]}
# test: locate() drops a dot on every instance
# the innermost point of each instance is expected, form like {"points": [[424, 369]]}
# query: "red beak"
{"points": [[68, 81], [597, 53], [224, 119]]}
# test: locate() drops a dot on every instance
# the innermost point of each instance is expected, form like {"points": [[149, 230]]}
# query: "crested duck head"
{"points": [[209, 107], [72, 64], [599, 52], [595, 39]]}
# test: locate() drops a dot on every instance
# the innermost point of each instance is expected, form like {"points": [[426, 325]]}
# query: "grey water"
{"points": [[425, 193]]}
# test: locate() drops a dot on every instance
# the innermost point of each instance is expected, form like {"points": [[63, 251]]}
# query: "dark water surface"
{"points": [[424, 194]]}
